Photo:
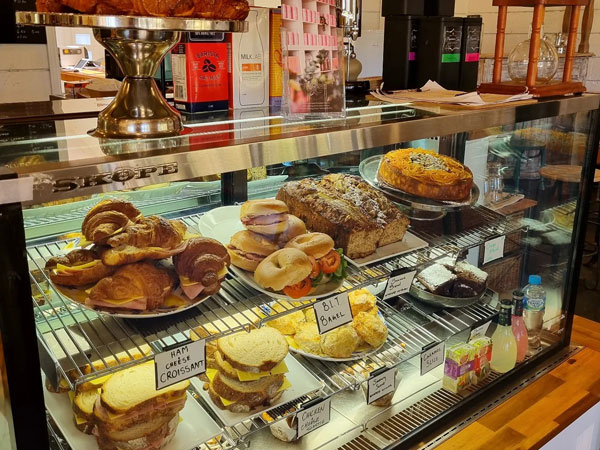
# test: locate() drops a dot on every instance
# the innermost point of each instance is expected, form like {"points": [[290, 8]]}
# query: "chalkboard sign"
{"points": [[11, 33]]}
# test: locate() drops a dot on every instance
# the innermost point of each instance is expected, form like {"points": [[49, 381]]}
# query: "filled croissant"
{"points": [[149, 238], [140, 287], [107, 218], [79, 267], [202, 266], [206, 9]]}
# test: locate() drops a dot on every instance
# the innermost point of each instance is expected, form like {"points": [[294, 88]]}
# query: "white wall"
{"points": [[24, 73]]}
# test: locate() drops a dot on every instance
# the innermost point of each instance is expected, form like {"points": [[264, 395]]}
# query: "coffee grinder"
{"points": [[350, 21]]}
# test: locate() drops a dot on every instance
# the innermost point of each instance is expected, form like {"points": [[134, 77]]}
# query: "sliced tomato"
{"points": [[316, 269], [298, 290], [330, 262]]}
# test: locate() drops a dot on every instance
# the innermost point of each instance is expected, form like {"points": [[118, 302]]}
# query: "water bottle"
{"points": [[534, 307]]}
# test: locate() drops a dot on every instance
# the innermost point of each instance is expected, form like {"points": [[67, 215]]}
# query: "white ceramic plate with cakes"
{"points": [[188, 435], [224, 222], [301, 380]]}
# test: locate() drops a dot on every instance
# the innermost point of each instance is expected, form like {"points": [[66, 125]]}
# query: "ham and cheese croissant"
{"points": [[206, 9], [149, 238], [107, 218], [79, 267], [202, 266], [140, 287]]}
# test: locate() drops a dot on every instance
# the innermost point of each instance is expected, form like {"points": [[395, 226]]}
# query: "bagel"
{"points": [[295, 227], [79, 267], [247, 249], [268, 216], [283, 268], [316, 245]]}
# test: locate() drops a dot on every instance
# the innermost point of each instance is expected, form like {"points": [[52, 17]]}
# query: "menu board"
{"points": [[11, 33]]}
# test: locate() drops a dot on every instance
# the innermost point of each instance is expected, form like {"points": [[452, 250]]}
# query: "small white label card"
{"points": [[333, 312], [314, 414], [479, 331], [179, 362], [399, 283], [493, 249], [381, 383], [431, 357]]}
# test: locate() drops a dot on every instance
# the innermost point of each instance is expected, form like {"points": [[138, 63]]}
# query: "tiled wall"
{"points": [[24, 73], [519, 20]]}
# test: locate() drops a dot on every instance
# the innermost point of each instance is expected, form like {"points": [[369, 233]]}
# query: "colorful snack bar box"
{"points": [[458, 367], [483, 356]]}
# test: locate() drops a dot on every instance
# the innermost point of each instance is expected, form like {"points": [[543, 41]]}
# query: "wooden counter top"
{"points": [[543, 409]]}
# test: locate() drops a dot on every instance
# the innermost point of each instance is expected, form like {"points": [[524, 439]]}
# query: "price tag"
{"points": [[431, 357], [399, 283], [381, 383], [333, 312], [179, 362], [479, 331], [493, 249], [314, 414]]}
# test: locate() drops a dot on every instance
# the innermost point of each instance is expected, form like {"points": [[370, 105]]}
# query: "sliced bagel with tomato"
{"points": [[327, 262]]}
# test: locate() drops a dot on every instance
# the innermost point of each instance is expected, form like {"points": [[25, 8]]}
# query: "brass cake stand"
{"points": [[138, 44]]}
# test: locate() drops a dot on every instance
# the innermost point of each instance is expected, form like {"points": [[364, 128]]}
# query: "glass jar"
{"points": [[518, 61], [494, 184]]}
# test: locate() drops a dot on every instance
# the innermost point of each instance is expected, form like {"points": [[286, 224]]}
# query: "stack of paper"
{"points": [[432, 92]]}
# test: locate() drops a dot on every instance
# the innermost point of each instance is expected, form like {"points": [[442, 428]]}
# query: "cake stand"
{"points": [[138, 44], [418, 208]]}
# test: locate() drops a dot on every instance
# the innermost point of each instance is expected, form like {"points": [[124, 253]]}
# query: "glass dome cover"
{"points": [[518, 61]]}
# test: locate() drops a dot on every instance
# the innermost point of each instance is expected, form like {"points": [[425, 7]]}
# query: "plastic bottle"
{"points": [[534, 307], [518, 326], [504, 344]]}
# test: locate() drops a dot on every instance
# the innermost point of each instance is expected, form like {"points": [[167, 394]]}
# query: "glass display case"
{"points": [[532, 168]]}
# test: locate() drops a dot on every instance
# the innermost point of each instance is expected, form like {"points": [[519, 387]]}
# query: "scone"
{"points": [[341, 342], [308, 338], [361, 300], [309, 315], [370, 328], [288, 323]]}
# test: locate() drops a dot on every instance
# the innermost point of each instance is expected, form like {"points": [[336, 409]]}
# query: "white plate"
{"points": [[221, 223], [195, 428], [322, 290], [78, 296], [353, 357], [409, 243], [302, 381]]}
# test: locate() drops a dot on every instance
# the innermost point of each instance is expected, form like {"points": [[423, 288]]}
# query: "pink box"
{"points": [[306, 39]]}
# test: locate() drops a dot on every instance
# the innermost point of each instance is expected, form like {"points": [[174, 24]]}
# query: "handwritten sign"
{"points": [[399, 283], [431, 357], [179, 362], [479, 331], [493, 249], [313, 415], [333, 312], [380, 384]]}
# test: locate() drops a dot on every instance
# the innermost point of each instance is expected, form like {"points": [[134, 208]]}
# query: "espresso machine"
{"points": [[350, 22]]}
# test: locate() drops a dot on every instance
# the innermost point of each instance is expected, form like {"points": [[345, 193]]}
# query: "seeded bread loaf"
{"points": [[358, 218]]}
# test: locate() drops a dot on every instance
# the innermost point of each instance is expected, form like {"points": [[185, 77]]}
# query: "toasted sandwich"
{"points": [[130, 414], [249, 370]]}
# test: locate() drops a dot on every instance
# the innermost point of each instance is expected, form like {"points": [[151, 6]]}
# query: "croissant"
{"points": [[207, 9], [149, 238], [202, 265], [141, 286], [78, 268], [106, 218]]}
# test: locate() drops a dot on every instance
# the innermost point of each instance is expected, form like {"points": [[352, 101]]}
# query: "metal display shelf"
{"points": [[71, 336]]}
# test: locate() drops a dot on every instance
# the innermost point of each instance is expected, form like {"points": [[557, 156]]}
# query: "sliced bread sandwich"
{"points": [[249, 371], [130, 413]]}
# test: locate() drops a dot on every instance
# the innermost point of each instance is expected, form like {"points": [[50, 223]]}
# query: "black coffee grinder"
{"points": [[350, 21]]}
